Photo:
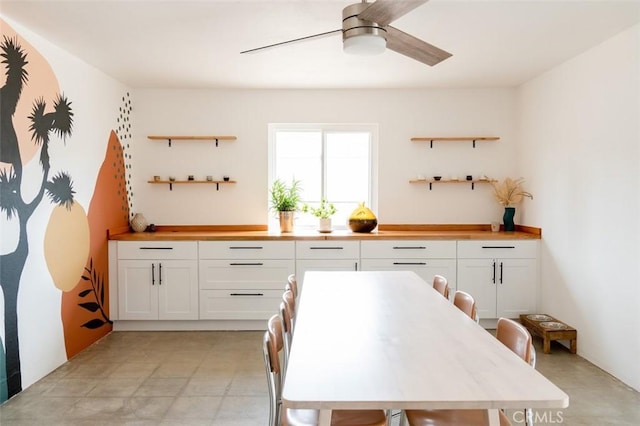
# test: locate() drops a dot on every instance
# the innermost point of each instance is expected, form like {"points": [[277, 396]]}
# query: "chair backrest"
{"points": [[465, 302], [292, 284], [290, 301], [441, 285], [517, 338], [272, 345]]}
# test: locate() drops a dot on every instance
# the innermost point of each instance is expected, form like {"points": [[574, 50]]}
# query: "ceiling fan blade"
{"points": [[384, 12], [413, 47], [295, 40]]}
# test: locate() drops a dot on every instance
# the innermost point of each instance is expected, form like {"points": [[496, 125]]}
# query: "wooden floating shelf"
{"points": [[430, 182], [217, 183], [454, 138], [193, 138]]}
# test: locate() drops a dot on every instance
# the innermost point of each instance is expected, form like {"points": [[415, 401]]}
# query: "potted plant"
{"points": [[509, 193], [284, 200], [323, 212]]}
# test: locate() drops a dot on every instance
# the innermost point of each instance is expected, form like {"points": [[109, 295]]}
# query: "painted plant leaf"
{"points": [[93, 324], [90, 306]]}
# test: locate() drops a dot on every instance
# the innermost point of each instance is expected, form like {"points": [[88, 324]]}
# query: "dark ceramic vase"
{"points": [[507, 219]]}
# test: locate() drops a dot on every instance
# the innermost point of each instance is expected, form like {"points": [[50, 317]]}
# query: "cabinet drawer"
{"points": [[239, 304], [242, 274], [504, 249], [157, 250], [327, 249], [247, 249], [408, 249]]}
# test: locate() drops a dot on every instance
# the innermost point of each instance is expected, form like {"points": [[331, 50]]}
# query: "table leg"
{"points": [[494, 417], [324, 418]]}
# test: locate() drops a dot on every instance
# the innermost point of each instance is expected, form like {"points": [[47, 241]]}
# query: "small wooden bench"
{"points": [[549, 328]]}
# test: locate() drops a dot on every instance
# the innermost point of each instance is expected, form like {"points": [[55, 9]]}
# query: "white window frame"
{"points": [[371, 128]]}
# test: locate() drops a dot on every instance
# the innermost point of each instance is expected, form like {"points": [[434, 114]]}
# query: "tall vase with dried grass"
{"points": [[509, 193]]}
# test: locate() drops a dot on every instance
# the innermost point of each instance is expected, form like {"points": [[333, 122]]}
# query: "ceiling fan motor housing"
{"points": [[354, 29]]}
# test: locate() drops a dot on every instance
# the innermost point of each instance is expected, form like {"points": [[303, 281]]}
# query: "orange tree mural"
{"points": [[18, 208]]}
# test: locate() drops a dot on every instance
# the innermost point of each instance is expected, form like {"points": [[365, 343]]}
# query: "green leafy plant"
{"points": [[285, 198], [324, 211], [510, 192]]}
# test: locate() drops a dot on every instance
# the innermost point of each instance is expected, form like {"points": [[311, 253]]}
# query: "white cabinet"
{"points": [[157, 280], [328, 255], [243, 280], [425, 258], [502, 276]]}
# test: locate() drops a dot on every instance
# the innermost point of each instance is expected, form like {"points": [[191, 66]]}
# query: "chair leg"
{"points": [[403, 419]]}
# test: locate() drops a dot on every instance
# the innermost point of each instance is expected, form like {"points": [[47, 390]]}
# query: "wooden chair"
{"points": [[287, 313], [292, 284], [515, 337], [441, 284], [466, 303], [272, 348]]}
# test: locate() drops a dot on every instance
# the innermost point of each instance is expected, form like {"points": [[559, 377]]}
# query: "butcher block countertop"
{"points": [[383, 232]]}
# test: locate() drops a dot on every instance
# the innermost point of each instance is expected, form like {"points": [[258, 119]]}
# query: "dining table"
{"points": [[387, 340]]}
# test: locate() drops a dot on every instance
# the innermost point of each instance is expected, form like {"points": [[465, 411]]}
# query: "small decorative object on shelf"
{"points": [[139, 223], [323, 212], [284, 200], [362, 220], [156, 178], [209, 178], [509, 193], [225, 178]]}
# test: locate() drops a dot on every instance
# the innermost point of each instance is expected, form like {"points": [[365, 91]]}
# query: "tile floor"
{"points": [[217, 378]]}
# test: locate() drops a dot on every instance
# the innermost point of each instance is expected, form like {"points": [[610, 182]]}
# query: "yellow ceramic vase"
{"points": [[362, 219]]}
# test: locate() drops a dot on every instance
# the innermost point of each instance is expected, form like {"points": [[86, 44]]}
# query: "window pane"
{"points": [[347, 167]]}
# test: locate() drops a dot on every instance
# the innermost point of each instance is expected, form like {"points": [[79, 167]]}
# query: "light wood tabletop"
{"points": [[388, 340]]}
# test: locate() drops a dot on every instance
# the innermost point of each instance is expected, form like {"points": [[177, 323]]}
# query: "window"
{"points": [[335, 162]]}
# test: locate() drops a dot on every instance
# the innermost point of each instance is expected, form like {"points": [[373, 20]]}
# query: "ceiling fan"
{"points": [[366, 30]]}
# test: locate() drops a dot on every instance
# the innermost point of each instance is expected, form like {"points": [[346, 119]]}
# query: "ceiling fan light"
{"points": [[365, 44]]}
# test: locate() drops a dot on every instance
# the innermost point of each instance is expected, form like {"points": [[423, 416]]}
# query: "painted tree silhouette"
{"points": [[12, 203]]}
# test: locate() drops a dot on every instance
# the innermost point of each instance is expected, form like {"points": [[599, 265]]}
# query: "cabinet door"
{"points": [[305, 265], [516, 285], [425, 268], [177, 284], [137, 290], [476, 277]]}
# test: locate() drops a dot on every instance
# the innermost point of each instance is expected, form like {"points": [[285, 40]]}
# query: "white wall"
{"points": [[400, 114], [579, 141]]}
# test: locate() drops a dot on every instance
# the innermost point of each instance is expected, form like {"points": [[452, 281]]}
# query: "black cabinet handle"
{"points": [[153, 274], [409, 263], [355, 266], [245, 248], [326, 248], [498, 247], [246, 294], [160, 273], [501, 272], [155, 248], [246, 264], [409, 248], [494, 271]]}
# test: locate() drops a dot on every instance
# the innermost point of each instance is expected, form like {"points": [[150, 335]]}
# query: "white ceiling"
{"points": [[196, 44]]}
